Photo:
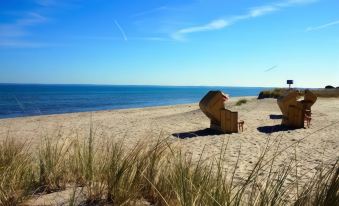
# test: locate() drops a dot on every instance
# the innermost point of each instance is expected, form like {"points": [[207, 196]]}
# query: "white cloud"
{"points": [[225, 22], [214, 25], [263, 10], [323, 26]]}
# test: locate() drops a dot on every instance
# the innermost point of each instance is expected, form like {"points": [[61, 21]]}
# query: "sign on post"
{"points": [[289, 82]]}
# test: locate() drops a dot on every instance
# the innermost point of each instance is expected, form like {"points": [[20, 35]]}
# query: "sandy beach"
{"points": [[169, 103], [186, 127]]}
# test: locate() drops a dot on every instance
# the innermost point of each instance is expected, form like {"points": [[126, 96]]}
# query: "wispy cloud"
{"points": [[254, 12], [323, 26], [214, 25], [123, 34], [31, 19], [150, 11], [150, 38], [15, 33], [260, 11], [9, 30], [9, 43], [18, 27], [130, 38], [46, 2], [57, 3]]}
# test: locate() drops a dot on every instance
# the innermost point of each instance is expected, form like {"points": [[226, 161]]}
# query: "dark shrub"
{"points": [[241, 101], [275, 93]]}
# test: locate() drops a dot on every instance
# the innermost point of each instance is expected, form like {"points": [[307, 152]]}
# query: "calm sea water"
{"points": [[18, 100]]}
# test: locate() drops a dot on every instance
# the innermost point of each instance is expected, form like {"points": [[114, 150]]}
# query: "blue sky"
{"points": [[170, 42]]}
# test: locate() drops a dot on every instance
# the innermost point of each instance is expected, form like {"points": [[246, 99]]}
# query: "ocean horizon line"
{"points": [[149, 85]]}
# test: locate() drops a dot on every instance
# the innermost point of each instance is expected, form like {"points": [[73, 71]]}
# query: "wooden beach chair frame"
{"points": [[223, 120], [296, 113]]}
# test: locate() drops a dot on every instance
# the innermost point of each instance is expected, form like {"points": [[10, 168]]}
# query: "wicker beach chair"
{"points": [[296, 113], [224, 120]]}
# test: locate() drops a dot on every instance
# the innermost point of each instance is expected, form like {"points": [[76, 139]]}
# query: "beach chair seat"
{"points": [[229, 121], [295, 117]]}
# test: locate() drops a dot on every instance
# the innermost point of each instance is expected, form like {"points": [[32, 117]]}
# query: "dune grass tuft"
{"points": [[241, 101], [53, 167], [110, 172], [16, 172], [279, 92], [275, 93]]}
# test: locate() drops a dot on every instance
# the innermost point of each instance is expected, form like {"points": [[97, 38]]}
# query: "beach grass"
{"points": [[274, 93], [110, 172], [241, 101], [17, 176], [279, 92]]}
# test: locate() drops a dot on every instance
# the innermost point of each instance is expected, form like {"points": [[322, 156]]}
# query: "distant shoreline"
{"points": [[232, 99], [32, 100], [149, 85], [131, 85]]}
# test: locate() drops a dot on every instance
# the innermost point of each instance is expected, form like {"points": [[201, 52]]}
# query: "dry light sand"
{"points": [[311, 146]]}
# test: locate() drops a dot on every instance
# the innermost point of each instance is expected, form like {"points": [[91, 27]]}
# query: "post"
{"points": [[289, 82]]}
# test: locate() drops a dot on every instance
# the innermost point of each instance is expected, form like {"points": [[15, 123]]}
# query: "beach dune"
{"points": [[187, 127]]}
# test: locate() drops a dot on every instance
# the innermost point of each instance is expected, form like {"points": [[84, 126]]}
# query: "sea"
{"points": [[19, 100]]}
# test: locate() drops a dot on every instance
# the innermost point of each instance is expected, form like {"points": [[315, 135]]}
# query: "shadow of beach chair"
{"points": [[224, 120], [296, 113]]}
